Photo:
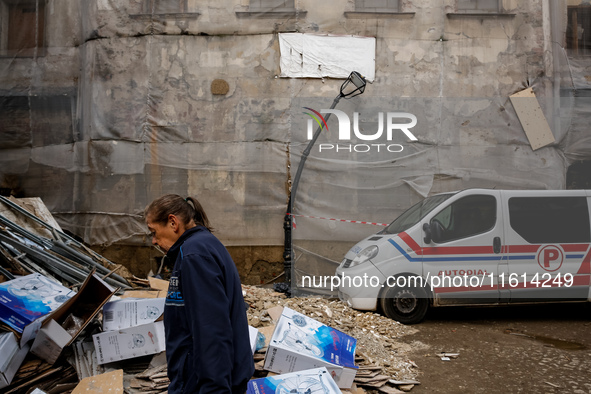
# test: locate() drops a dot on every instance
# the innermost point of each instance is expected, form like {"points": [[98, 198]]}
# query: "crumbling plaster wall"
{"points": [[44, 89], [147, 122], [56, 70]]}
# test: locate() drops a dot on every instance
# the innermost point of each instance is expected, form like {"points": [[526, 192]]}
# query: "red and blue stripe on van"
{"points": [[485, 253]]}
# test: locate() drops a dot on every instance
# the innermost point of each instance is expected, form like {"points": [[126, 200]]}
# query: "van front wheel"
{"points": [[408, 305]]}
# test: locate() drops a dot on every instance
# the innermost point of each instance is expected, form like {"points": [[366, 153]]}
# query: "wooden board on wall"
{"points": [[532, 118]]}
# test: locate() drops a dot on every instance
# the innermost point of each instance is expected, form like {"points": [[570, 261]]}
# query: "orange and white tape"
{"points": [[341, 220]]}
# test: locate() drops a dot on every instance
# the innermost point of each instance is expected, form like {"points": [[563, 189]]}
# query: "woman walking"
{"points": [[207, 341]]}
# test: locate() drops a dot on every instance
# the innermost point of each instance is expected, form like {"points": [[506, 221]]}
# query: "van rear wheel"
{"points": [[408, 305]]}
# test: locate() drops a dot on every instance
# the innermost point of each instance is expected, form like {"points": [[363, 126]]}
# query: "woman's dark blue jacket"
{"points": [[207, 341]]}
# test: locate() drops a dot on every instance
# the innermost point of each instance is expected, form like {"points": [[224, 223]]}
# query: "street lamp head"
{"points": [[353, 86]]}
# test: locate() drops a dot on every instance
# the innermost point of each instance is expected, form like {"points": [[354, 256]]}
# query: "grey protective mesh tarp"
{"points": [[108, 104]]}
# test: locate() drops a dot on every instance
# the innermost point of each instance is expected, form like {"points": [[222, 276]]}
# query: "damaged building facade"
{"points": [[108, 104]]}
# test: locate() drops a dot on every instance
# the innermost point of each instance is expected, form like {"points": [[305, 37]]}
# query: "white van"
{"points": [[473, 247]]}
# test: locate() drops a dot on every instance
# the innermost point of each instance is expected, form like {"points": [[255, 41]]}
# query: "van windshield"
{"points": [[414, 214]]}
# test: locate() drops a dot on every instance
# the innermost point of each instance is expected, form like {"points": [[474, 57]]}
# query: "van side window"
{"points": [[541, 220], [466, 217]]}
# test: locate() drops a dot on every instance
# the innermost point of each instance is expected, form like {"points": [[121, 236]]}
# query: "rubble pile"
{"points": [[44, 376], [380, 356], [151, 380], [87, 339], [29, 244]]}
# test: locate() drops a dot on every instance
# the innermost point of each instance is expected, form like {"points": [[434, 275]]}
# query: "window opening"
{"points": [[23, 25], [165, 6], [272, 5], [414, 214], [541, 220], [377, 5], [578, 31], [478, 6], [469, 216]]}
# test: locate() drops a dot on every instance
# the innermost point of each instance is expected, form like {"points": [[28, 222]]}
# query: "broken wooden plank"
{"points": [[532, 119], [109, 382], [163, 374], [367, 374], [135, 383], [377, 381], [152, 371]]}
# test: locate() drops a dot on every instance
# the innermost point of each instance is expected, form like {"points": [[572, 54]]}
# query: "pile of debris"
{"points": [[45, 359], [381, 358], [29, 244]]}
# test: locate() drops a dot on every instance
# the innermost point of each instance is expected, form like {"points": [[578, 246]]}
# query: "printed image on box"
{"points": [[311, 381], [308, 336], [27, 298], [129, 342], [300, 343], [131, 312]]}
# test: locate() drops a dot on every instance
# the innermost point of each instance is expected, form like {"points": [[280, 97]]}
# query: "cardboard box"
{"points": [[50, 341], [159, 290], [301, 343], [267, 331], [317, 380], [253, 334], [24, 301], [130, 312], [129, 342], [84, 306], [12, 357], [133, 293], [159, 284]]}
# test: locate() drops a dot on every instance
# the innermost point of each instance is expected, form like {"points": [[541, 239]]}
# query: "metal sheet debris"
{"points": [[29, 245]]}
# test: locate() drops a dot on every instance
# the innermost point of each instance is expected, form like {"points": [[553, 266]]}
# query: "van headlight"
{"points": [[366, 254]]}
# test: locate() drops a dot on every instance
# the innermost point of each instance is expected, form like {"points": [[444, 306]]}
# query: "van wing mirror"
{"points": [[436, 230], [433, 231], [427, 230]]}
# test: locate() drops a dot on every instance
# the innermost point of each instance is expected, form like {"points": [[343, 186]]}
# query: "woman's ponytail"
{"points": [[186, 209], [199, 215]]}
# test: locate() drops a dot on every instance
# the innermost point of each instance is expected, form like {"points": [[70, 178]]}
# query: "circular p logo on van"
{"points": [[550, 257]]}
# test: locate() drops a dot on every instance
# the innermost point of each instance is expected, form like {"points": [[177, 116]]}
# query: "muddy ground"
{"points": [[518, 349]]}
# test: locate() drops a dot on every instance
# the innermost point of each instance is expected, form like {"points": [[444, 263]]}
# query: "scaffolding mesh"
{"points": [[109, 104]]}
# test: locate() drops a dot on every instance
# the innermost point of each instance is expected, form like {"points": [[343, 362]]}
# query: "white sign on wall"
{"points": [[319, 56]]}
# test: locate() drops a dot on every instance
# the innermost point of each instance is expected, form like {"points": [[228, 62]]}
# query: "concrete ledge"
{"points": [[371, 15], [492, 15], [270, 14], [172, 15]]}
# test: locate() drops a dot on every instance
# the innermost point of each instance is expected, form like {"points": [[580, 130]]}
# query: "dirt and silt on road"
{"points": [[544, 348], [517, 349]]}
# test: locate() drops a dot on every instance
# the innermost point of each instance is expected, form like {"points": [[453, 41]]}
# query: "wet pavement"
{"points": [[518, 349]]}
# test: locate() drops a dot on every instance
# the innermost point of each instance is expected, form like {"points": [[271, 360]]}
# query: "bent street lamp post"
{"points": [[353, 86]]}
